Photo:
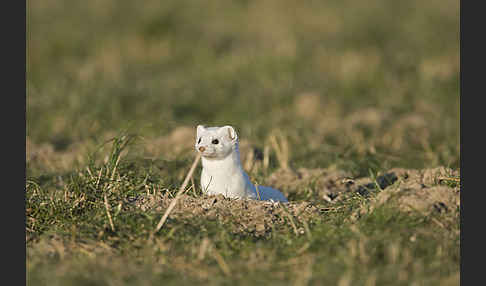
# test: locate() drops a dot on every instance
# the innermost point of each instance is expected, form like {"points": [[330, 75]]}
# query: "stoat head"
{"points": [[216, 142]]}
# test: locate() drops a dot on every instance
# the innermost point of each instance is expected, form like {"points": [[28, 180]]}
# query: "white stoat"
{"points": [[222, 172]]}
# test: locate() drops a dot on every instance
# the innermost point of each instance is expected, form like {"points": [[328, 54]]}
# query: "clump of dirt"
{"points": [[326, 184], [425, 191], [435, 190], [331, 185], [241, 215]]}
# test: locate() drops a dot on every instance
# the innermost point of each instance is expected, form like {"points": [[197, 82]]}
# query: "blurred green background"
{"points": [[354, 85]]}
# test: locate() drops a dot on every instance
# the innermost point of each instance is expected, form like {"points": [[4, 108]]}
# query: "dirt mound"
{"points": [[330, 185], [242, 216], [424, 191], [325, 184]]}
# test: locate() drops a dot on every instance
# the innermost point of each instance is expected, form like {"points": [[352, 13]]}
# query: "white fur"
{"points": [[222, 172]]}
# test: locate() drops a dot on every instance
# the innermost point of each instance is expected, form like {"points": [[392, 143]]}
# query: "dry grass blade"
{"points": [[99, 178], [193, 186], [89, 172], [203, 249], [281, 150], [107, 207], [449, 179], [181, 190], [266, 157], [249, 161], [114, 168], [331, 209], [258, 191], [222, 264]]}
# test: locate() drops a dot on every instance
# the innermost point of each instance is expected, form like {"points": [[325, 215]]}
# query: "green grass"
{"points": [[70, 241], [357, 87]]}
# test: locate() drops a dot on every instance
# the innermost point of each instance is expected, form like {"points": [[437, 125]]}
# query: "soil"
{"points": [[423, 191]]}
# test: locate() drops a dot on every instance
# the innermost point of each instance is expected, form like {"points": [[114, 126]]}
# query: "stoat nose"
{"points": [[201, 149]]}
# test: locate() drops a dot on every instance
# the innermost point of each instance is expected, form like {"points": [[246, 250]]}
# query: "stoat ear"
{"points": [[199, 130], [229, 133]]}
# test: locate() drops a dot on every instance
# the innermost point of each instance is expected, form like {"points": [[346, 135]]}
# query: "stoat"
{"points": [[222, 172]]}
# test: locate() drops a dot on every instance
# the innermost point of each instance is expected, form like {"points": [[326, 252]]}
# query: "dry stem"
{"points": [[174, 201], [108, 214]]}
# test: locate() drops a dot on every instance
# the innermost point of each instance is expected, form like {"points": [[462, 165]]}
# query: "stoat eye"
{"points": [[215, 141], [199, 140]]}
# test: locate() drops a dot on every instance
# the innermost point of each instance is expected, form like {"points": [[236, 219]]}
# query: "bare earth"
{"points": [[420, 191]]}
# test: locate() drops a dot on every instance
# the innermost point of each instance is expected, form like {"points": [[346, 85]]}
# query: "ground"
{"points": [[351, 109]]}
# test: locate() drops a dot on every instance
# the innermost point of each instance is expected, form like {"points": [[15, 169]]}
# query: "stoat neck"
{"points": [[230, 163]]}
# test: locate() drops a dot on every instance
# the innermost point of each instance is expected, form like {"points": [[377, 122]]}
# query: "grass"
{"points": [[115, 90], [71, 241]]}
